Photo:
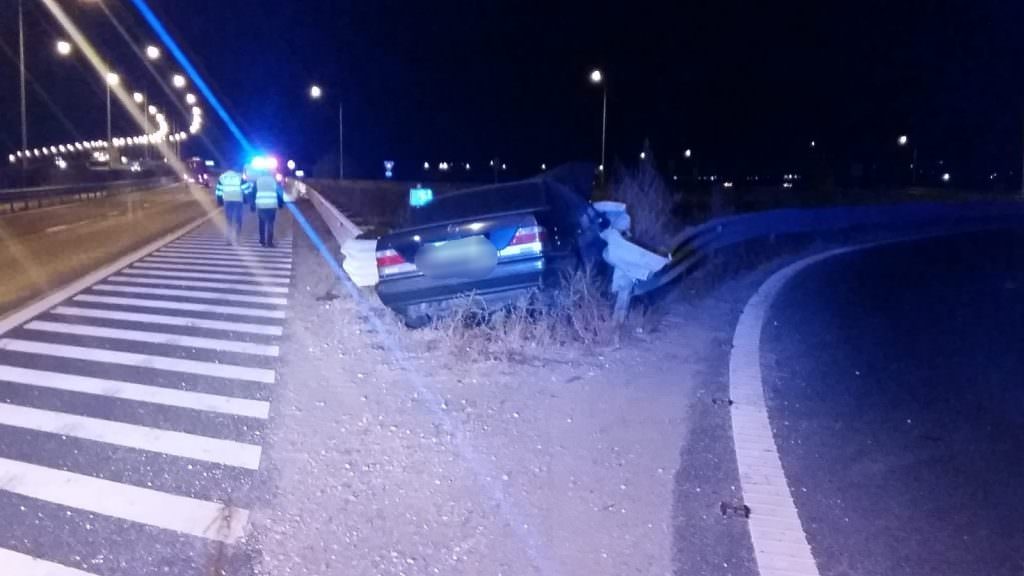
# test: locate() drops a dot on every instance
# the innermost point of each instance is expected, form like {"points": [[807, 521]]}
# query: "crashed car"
{"points": [[496, 243]]}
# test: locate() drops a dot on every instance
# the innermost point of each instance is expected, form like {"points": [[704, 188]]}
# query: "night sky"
{"points": [[746, 85]]}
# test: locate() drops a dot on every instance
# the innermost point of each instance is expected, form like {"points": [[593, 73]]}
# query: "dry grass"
{"points": [[539, 326], [650, 204]]}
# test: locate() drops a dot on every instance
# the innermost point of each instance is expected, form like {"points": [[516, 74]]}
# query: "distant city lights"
{"points": [[426, 165], [945, 176], [687, 153]]}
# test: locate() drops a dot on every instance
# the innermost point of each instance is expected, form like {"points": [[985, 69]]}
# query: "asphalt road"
{"points": [[895, 382], [43, 249], [132, 413]]}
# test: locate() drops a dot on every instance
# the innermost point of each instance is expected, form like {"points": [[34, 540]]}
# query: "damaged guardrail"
{"points": [[693, 246], [360, 262]]}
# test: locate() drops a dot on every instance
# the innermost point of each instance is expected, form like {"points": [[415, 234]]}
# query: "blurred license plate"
{"points": [[473, 257]]}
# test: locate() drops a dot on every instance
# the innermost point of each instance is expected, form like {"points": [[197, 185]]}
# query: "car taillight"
{"points": [[528, 241], [391, 262]]}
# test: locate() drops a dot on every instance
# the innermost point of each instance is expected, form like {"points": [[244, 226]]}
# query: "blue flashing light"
{"points": [[268, 163], [420, 196], [165, 37]]}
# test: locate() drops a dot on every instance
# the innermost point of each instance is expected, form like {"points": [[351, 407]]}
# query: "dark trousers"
{"points": [[233, 212], [267, 217]]}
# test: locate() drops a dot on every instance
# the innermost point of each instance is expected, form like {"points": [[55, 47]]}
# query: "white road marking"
{"points": [[216, 450], [137, 392], [780, 542], [154, 338], [255, 249], [200, 284], [249, 264], [175, 274], [222, 240], [218, 255], [265, 329], [171, 305], [61, 227], [199, 294], [261, 375], [143, 505], [197, 268], [25, 565]]}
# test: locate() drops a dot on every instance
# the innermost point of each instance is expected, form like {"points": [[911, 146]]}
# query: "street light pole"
{"points": [[21, 68], [604, 128], [341, 140]]}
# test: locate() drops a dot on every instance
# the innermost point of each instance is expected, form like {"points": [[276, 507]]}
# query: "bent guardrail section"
{"points": [[693, 246]]}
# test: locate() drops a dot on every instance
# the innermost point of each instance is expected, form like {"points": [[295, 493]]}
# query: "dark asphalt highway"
{"points": [[895, 382], [42, 249]]}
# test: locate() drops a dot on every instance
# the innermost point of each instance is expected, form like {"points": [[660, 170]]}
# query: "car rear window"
{"points": [[479, 202]]}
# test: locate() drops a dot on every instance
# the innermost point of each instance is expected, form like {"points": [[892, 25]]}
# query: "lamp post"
{"points": [[316, 92], [596, 77], [112, 80], [21, 83], [903, 140]]}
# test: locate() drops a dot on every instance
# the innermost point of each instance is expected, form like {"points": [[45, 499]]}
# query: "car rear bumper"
{"points": [[420, 295]]}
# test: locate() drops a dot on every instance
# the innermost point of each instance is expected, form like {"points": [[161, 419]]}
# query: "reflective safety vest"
{"points": [[268, 193], [230, 187]]}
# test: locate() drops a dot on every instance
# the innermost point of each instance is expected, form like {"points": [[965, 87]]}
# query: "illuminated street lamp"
{"points": [[152, 52], [112, 80], [178, 80], [687, 153], [151, 110], [63, 47], [315, 93], [291, 164], [596, 77], [138, 97], [190, 99], [903, 141]]}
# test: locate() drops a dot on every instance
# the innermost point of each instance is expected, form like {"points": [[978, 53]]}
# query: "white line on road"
{"points": [[171, 305], [25, 565], [154, 338], [143, 505], [199, 294], [254, 269], [266, 329], [257, 280], [248, 264], [220, 255], [200, 284], [185, 445], [261, 375], [220, 258], [136, 392], [254, 249]]}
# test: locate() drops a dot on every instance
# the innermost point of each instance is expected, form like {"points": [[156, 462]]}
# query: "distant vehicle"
{"points": [[198, 171], [497, 243]]}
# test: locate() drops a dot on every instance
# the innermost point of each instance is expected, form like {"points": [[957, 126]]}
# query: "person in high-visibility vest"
{"points": [[231, 193], [268, 196]]}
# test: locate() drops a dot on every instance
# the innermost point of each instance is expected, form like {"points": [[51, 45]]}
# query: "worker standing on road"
{"points": [[231, 194], [268, 197]]}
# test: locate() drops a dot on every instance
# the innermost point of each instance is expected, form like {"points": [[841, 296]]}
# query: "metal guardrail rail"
{"points": [[693, 246], [46, 194]]}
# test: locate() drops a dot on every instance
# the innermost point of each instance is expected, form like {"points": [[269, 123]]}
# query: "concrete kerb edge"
{"points": [[36, 307], [749, 420]]}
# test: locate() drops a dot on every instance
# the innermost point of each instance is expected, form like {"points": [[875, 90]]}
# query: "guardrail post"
{"points": [[622, 300]]}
